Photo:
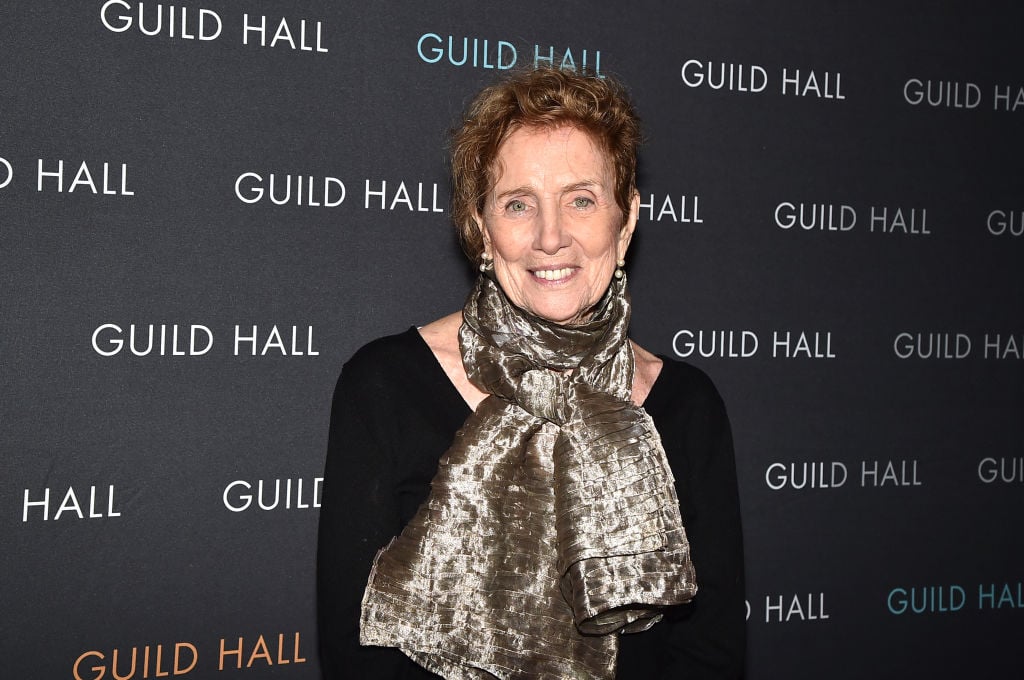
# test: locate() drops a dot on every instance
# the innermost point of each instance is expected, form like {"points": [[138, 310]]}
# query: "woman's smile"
{"points": [[560, 275]]}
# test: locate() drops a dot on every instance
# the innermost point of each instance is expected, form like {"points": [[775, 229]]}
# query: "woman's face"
{"points": [[551, 223]]}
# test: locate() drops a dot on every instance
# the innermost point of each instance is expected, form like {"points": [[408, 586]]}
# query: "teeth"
{"points": [[553, 274]]}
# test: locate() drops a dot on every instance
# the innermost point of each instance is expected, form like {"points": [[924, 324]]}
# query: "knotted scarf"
{"points": [[552, 521]]}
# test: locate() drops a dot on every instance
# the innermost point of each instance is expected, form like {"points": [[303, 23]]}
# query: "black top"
{"points": [[395, 412]]}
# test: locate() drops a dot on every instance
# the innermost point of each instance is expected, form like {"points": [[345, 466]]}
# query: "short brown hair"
{"points": [[538, 98]]}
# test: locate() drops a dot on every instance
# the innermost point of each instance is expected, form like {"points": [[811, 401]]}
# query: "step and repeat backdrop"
{"points": [[206, 207]]}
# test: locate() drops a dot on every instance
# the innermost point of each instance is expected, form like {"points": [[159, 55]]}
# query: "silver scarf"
{"points": [[552, 521]]}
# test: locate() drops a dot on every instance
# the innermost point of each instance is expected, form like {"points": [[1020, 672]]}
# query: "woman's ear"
{"points": [[626, 233], [484, 236]]}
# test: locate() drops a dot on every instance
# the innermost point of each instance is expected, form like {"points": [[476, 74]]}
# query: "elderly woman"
{"points": [[533, 494]]}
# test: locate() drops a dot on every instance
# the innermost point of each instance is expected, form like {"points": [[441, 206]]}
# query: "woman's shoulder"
{"points": [[387, 365], [386, 351], [694, 425], [423, 360], [668, 379], [683, 385], [442, 335], [689, 377], [646, 370]]}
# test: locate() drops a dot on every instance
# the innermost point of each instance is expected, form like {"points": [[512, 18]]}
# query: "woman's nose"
{"points": [[551, 235]]}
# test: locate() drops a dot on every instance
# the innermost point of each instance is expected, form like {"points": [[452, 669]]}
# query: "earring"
{"points": [[618, 272], [485, 262]]}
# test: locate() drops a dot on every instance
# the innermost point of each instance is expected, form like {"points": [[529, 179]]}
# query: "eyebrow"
{"points": [[575, 186]]}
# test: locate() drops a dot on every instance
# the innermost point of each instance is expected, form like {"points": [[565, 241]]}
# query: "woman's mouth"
{"points": [[554, 275]]}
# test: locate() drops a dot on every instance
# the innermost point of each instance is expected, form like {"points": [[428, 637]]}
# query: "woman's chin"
{"points": [[563, 315]]}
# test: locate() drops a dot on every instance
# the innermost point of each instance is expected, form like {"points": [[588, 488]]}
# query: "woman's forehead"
{"points": [[564, 155]]}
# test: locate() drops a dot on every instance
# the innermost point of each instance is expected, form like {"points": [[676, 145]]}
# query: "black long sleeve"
{"points": [[395, 413], [707, 637], [390, 423]]}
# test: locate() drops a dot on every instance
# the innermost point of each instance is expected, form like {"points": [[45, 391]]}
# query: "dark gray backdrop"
{"points": [[123, 514]]}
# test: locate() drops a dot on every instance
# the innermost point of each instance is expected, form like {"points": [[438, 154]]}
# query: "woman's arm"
{"points": [[394, 413], [358, 516], [706, 638], [714, 626]]}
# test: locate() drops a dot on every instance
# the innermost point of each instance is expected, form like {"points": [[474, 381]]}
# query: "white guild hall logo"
{"points": [[1001, 346], [487, 53], [205, 25], [835, 474], [833, 217], [952, 94], [196, 340], [744, 344], [756, 79], [330, 192]]}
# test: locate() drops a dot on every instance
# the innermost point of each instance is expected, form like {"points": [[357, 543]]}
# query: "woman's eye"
{"points": [[516, 206], [582, 202]]}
